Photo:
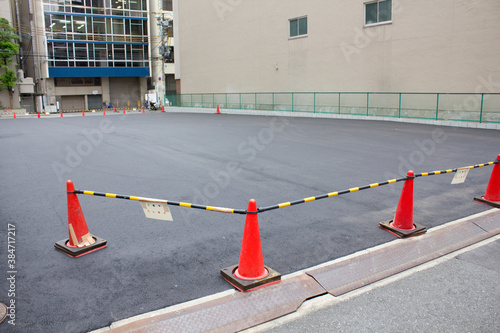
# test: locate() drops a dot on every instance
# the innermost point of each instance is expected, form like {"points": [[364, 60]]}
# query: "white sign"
{"points": [[157, 211], [151, 97], [460, 175]]}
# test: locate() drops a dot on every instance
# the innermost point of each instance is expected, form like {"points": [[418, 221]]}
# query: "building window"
{"points": [[378, 12], [96, 41], [298, 27], [167, 5], [77, 81]]}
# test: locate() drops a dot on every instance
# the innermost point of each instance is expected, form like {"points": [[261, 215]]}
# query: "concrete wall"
{"points": [[125, 91], [430, 46], [7, 11], [5, 99]]}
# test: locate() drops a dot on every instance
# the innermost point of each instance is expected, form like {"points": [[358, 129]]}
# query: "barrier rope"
{"points": [[281, 205], [355, 189], [331, 194], [423, 174], [173, 203]]}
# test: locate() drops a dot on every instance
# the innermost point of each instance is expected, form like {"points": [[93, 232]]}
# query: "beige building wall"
{"points": [[430, 46]]}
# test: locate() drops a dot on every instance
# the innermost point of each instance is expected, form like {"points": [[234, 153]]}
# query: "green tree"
{"points": [[8, 49]]}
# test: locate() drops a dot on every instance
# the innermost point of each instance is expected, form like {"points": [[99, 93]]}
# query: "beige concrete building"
{"points": [[442, 46]]}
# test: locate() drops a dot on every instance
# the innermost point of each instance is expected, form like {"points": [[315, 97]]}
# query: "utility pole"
{"points": [[164, 24]]}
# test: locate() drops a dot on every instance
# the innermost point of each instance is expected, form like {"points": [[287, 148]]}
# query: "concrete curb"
{"points": [[466, 124]]}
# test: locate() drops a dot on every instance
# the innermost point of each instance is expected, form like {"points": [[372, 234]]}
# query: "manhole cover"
{"points": [[3, 311]]}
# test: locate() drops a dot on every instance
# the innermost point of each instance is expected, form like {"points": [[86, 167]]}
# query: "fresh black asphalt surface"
{"points": [[218, 160]]}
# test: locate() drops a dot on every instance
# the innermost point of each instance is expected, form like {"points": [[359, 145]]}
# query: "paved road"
{"points": [[221, 160]]}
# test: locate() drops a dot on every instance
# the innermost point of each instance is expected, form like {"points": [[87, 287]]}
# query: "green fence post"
{"points": [[292, 102], [314, 106], [399, 112], [240, 101], [367, 103], [226, 102], [481, 112], [256, 102], [213, 100], [273, 101], [339, 103], [437, 107]]}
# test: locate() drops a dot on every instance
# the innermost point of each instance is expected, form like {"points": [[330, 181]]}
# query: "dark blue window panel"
{"points": [[99, 72]]}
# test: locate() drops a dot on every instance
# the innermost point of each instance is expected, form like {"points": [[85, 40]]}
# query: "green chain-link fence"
{"points": [[483, 107]]}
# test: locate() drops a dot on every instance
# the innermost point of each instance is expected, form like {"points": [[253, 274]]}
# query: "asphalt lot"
{"points": [[220, 160]]}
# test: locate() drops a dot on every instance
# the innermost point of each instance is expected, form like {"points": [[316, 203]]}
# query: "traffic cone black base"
{"points": [[272, 277], [487, 202], [402, 233], [75, 251]]}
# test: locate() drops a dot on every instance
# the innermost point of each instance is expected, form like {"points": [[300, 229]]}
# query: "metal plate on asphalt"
{"points": [[3, 311], [233, 312]]}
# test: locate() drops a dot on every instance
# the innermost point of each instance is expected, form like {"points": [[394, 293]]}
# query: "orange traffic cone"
{"points": [[143, 109], [492, 195], [251, 273], [15, 116], [61, 114], [115, 109], [80, 240], [103, 112], [402, 226], [38, 114], [123, 110], [218, 111], [163, 108], [83, 113]]}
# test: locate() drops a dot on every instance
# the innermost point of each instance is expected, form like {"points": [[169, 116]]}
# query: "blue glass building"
{"points": [[99, 48]]}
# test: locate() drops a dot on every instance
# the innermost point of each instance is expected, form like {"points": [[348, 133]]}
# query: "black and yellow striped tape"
{"points": [[423, 174], [284, 204], [355, 189], [328, 195]]}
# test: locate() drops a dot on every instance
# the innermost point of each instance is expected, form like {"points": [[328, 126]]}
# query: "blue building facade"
{"points": [[102, 39], [96, 38]]}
